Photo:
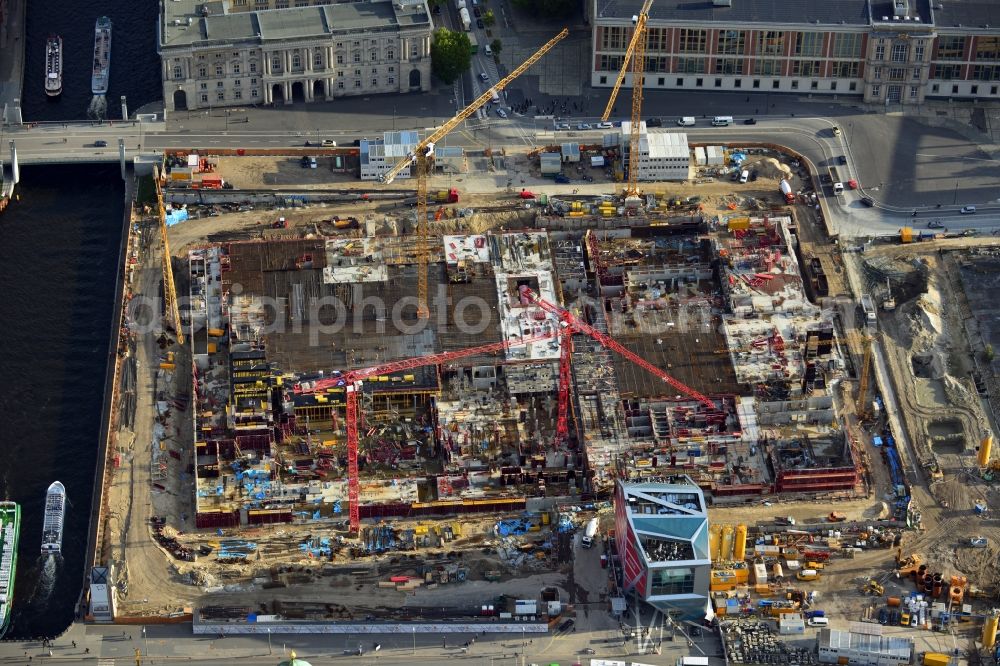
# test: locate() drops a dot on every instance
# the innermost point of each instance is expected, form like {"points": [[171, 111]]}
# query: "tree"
{"points": [[451, 54], [547, 8], [489, 18], [496, 46], [436, 3], [988, 353]]}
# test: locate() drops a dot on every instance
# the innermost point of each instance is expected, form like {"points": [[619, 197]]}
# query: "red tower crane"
{"points": [[575, 325], [351, 381]]}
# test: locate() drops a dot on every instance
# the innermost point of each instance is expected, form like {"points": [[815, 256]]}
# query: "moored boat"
{"points": [[53, 66], [10, 531], [102, 56], [55, 512]]}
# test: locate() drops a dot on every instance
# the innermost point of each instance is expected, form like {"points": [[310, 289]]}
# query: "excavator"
{"points": [[873, 587]]}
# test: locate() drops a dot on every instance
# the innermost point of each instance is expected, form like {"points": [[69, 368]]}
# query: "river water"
{"points": [[58, 256]]}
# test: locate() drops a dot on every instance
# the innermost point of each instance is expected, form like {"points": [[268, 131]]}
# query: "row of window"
{"points": [[277, 63], [807, 44], [852, 86], [220, 95], [734, 42], [340, 74], [738, 66]]}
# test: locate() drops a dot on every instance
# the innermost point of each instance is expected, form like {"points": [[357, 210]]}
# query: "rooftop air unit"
{"points": [[900, 7]]}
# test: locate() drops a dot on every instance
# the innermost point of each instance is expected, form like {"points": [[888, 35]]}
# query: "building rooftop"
{"points": [[187, 22], [967, 14], [853, 12]]}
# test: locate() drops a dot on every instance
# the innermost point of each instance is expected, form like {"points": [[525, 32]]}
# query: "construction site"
{"points": [[395, 406]]}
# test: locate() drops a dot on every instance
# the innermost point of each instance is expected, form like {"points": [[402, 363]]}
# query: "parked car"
{"points": [[968, 210], [883, 616], [842, 159], [654, 122], [479, 24], [583, 126], [562, 126], [836, 131], [501, 113], [562, 178], [476, 12], [484, 76], [935, 224], [750, 121], [605, 125], [868, 201], [100, 143], [329, 143]]}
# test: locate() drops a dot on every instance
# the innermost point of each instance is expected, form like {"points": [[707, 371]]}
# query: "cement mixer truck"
{"points": [[589, 532], [786, 191]]}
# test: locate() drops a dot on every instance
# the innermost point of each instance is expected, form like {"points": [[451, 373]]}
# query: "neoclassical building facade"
{"points": [[226, 53]]}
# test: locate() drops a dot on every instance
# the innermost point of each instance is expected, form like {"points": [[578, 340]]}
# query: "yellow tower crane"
{"points": [[636, 56], [169, 291], [425, 149]]}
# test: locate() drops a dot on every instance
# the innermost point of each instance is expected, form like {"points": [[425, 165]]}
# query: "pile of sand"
{"points": [[769, 167]]}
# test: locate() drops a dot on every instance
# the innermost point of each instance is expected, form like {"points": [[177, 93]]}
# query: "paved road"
{"points": [[812, 137], [106, 645]]}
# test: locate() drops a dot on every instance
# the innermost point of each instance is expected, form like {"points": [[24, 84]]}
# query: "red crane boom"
{"points": [[352, 381], [606, 341]]}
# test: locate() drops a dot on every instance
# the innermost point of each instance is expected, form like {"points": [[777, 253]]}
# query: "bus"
{"points": [[474, 43]]}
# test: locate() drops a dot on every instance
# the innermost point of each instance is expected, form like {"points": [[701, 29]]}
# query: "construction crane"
{"points": [[425, 149], [636, 34], [863, 407], [352, 380], [635, 56], [575, 325], [169, 291]]}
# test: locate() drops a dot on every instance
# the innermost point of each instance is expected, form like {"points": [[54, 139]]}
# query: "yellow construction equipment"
{"points": [[636, 56], [873, 587], [863, 404], [425, 149], [625, 63], [169, 291]]}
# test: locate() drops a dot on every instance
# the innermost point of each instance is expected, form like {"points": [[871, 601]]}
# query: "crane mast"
{"points": [[171, 307], [423, 150], [633, 42]]}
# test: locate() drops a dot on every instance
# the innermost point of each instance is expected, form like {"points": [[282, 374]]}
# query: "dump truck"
{"points": [[445, 196], [589, 532]]}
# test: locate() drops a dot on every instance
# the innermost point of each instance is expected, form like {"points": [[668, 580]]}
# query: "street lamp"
{"points": [[145, 642], [414, 630], [269, 641], [393, 117], [227, 119]]}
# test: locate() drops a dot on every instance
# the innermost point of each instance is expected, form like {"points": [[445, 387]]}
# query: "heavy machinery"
{"points": [[171, 307], [873, 587], [425, 149], [635, 55], [352, 380]]}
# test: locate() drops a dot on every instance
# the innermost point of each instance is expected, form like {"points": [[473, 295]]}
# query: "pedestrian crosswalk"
{"points": [[105, 662]]}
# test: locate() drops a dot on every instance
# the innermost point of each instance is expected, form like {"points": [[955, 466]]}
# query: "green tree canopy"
{"points": [[451, 54], [547, 8], [496, 46], [489, 18]]}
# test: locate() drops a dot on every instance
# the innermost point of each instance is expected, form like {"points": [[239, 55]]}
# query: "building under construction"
{"points": [[274, 324]]}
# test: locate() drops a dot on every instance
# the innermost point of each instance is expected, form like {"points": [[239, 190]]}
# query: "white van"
{"points": [[686, 121], [744, 176], [488, 49], [722, 121], [818, 622]]}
